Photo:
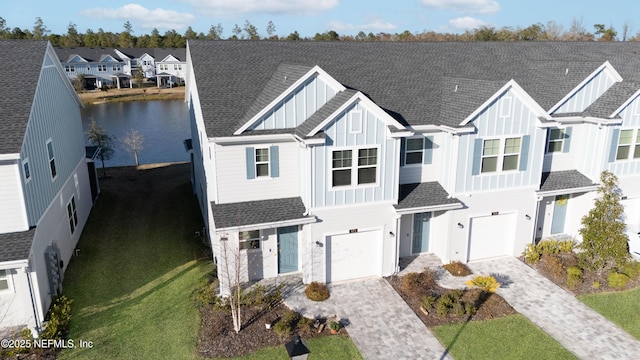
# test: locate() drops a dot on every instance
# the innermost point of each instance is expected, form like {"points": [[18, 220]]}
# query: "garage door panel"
{"points": [[491, 236], [353, 256]]}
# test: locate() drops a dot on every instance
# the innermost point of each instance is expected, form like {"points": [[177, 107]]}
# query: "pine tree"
{"points": [[604, 242]]}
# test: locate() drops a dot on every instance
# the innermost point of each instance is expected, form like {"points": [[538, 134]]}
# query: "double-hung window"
{"points": [[628, 145], [52, 160], [26, 169], [497, 156], [249, 239], [102, 68], [555, 140], [262, 162], [4, 281], [367, 165], [414, 151], [72, 214], [341, 173]]}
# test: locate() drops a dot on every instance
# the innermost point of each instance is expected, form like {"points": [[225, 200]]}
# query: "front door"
{"points": [[287, 249], [559, 214], [421, 232]]}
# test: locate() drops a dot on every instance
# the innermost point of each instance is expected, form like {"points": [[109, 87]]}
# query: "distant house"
{"points": [[47, 185], [117, 67], [334, 160]]}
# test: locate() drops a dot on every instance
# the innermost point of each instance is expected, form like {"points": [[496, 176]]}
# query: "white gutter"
{"points": [[9, 157], [270, 225], [568, 191], [252, 139], [429, 208]]}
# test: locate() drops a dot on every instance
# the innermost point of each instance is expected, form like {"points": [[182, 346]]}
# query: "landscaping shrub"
{"points": [[282, 328], [458, 309], [632, 269], [531, 254], [617, 280], [553, 265], [574, 276], [441, 308], [486, 283], [204, 295], [418, 283], [456, 268], [316, 291], [305, 324], [469, 309], [428, 302], [59, 318], [596, 284]]}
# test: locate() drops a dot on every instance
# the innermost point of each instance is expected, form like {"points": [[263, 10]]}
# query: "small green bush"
{"points": [[316, 291], [617, 280], [458, 309], [441, 308], [531, 254], [59, 318], [574, 276], [204, 295], [305, 324], [290, 317], [484, 282], [456, 268], [596, 284], [418, 283], [553, 265], [632, 269], [428, 302], [282, 328], [469, 309]]}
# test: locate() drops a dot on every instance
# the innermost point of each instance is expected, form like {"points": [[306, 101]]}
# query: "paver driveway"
{"points": [[380, 323], [577, 327]]}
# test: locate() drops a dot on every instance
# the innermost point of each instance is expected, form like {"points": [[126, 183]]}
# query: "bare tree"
{"points": [[231, 271], [133, 142], [98, 136]]}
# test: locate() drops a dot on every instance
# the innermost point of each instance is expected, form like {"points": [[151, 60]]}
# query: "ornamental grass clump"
{"points": [[485, 283], [316, 291]]}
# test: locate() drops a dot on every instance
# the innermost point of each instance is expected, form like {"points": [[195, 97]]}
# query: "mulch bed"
{"points": [[490, 307], [554, 268], [218, 339]]}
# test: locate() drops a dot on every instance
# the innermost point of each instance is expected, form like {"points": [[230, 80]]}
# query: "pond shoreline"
{"points": [[93, 97]]}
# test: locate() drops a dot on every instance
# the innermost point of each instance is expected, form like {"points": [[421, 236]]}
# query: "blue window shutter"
{"points": [[524, 152], [567, 139], [274, 160], [403, 147], [614, 145], [251, 162], [477, 156], [427, 157]]}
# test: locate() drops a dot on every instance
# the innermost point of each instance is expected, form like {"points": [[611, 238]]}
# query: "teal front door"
{"points": [[421, 232], [559, 214], [287, 249]]}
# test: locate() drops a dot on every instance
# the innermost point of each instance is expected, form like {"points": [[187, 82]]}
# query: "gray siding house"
{"points": [[45, 191], [334, 160]]}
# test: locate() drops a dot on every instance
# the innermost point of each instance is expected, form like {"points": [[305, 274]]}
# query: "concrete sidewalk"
{"points": [[577, 327]]}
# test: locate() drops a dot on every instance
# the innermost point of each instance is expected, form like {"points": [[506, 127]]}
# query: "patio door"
{"points": [[287, 249], [421, 228], [559, 214]]}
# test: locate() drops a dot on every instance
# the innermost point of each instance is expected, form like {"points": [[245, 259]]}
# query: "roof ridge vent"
{"points": [[285, 79], [456, 89], [566, 71]]}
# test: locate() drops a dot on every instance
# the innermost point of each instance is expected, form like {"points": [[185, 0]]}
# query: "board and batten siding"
{"points": [[374, 133], [55, 115], [630, 120], [432, 169], [492, 124], [587, 94], [298, 106], [235, 186], [13, 216]]}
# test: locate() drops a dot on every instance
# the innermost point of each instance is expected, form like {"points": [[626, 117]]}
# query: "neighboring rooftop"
{"points": [[257, 212], [424, 195], [564, 180], [16, 246]]}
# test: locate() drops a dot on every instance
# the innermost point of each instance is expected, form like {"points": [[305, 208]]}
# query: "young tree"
{"points": [[139, 77], [133, 142], [98, 136], [232, 269], [604, 242]]}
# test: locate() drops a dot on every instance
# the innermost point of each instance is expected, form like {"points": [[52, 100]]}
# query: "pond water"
{"points": [[163, 124]]}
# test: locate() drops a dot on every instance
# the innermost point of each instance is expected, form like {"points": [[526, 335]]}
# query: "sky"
{"points": [[308, 17]]}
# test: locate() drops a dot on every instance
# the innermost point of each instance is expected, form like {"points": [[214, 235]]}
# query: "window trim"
{"points": [[249, 240], [407, 151], [8, 278], [560, 140], [634, 145], [26, 170], [267, 162], [353, 168], [51, 155], [72, 214], [502, 142]]}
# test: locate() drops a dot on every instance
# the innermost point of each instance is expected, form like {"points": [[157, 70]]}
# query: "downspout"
{"points": [[397, 234], [33, 300], [535, 219]]}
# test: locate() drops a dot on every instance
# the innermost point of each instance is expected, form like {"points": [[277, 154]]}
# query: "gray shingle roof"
{"points": [[257, 212], [461, 97], [404, 78], [425, 194], [21, 64], [324, 112], [16, 246], [564, 180], [611, 100]]}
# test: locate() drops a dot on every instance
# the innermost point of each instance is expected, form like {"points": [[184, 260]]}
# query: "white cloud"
{"points": [[142, 17], [466, 23], [370, 24], [291, 7], [465, 6]]}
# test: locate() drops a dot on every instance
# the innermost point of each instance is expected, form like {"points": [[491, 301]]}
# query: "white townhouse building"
{"points": [[334, 160], [47, 184]]}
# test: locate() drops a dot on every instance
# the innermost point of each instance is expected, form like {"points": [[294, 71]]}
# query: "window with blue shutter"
{"points": [[262, 162], [477, 156], [274, 161], [428, 150], [567, 139], [251, 165], [524, 152], [614, 145]]}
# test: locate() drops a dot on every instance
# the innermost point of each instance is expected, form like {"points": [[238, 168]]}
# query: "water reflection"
{"points": [[164, 125]]}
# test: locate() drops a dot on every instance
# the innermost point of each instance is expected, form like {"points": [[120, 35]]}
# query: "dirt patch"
{"points": [[487, 305], [218, 339]]}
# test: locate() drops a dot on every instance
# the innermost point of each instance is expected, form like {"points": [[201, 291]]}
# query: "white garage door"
{"points": [[353, 256], [491, 236]]}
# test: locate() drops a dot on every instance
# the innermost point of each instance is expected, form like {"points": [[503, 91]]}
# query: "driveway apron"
{"points": [[577, 327], [379, 322]]}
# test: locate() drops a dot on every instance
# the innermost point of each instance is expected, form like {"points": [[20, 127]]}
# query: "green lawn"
{"points": [[619, 307], [328, 347], [511, 337]]}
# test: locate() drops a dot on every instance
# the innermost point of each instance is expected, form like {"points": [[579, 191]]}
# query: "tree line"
{"points": [[551, 31]]}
